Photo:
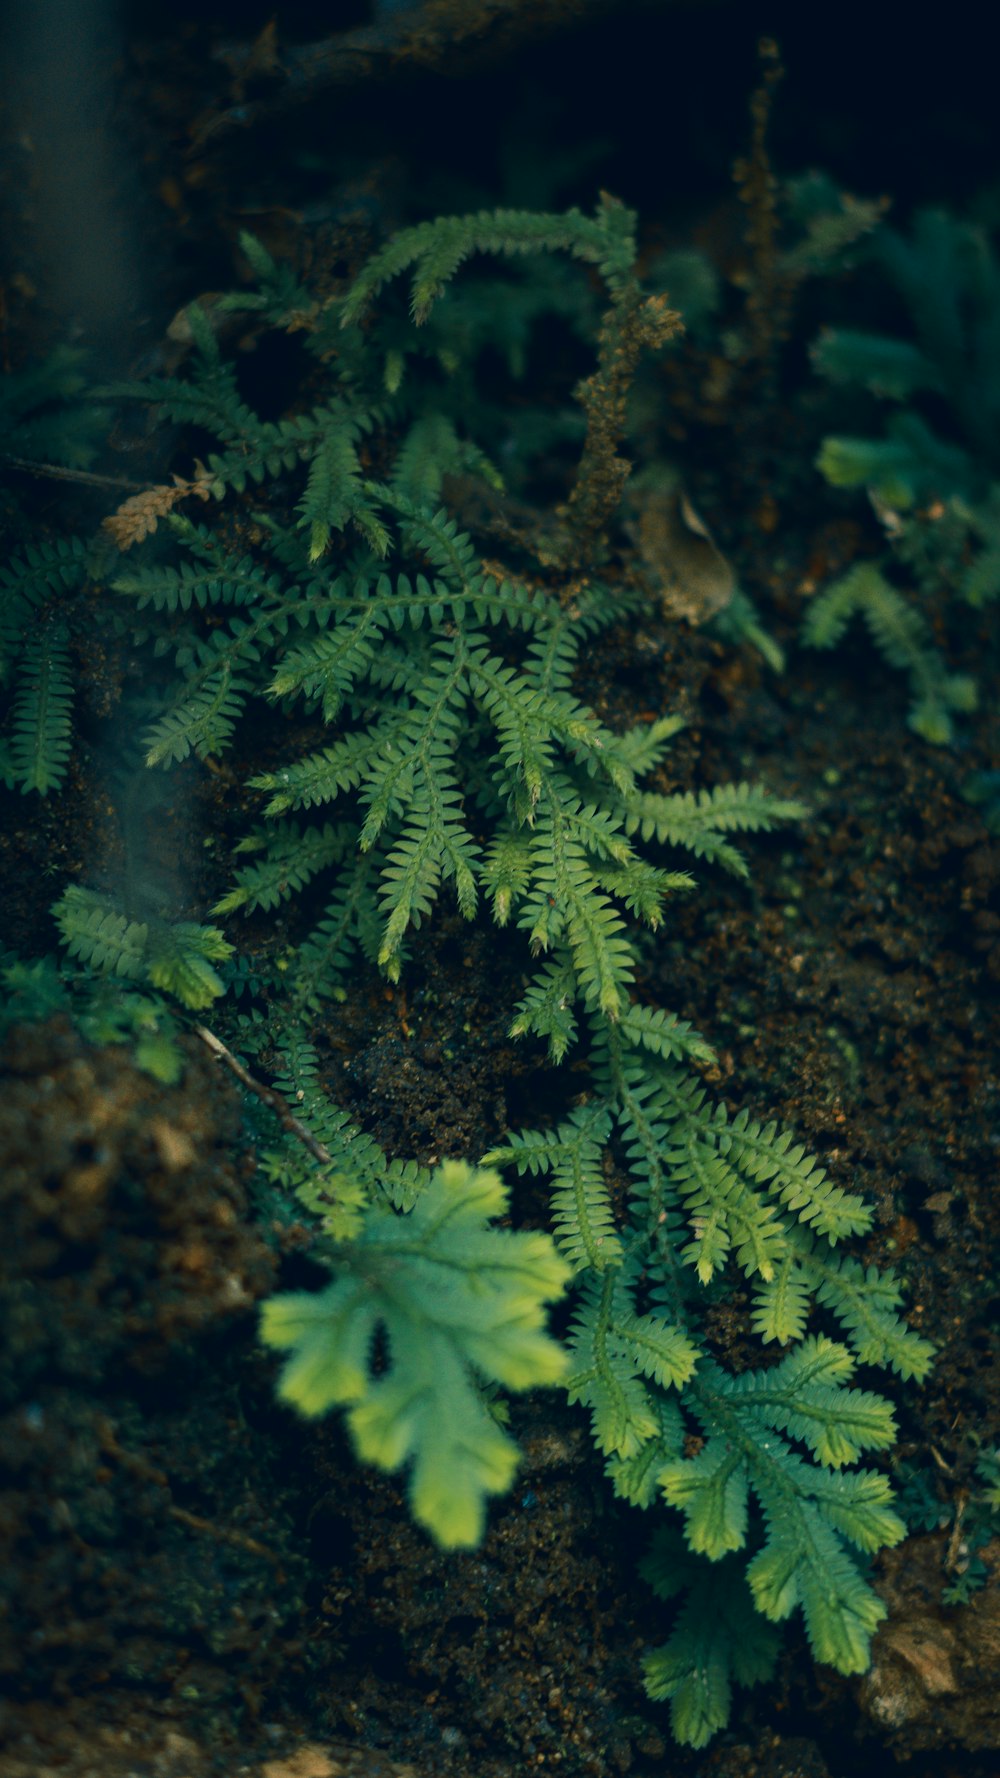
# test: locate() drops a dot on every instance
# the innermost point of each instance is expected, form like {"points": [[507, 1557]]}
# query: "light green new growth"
{"points": [[452, 1300]]}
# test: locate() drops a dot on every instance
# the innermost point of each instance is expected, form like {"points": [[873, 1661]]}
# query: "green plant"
{"points": [[461, 761], [948, 279], [174, 956], [451, 1296], [101, 1011], [983, 791], [47, 415], [932, 472], [49, 425], [976, 1524], [969, 1515], [37, 624], [903, 637]]}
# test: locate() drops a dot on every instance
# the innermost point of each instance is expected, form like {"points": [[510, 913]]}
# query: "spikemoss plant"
{"points": [[444, 754]]}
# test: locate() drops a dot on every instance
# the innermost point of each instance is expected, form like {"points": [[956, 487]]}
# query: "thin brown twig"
{"points": [[58, 472], [952, 1555], [267, 1095], [767, 302], [146, 1472]]}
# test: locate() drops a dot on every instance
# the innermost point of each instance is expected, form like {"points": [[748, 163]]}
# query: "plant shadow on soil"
{"points": [[195, 1582]]}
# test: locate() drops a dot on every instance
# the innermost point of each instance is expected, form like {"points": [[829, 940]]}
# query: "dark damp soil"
{"points": [[193, 1582]]}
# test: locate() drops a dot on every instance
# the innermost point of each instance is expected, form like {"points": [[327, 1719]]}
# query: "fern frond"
{"points": [[808, 1510], [354, 1155], [581, 1208], [567, 904], [865, 1301], [546, 1009], [804, 1396], [176, 957], [294, 855], [553, 653], [436, 845], [772, 1157], [44, 568], [334, 492], [717, 1639], [643, 888], [179, 960], [42, 720], [643, 747], [644, 1124], [712, 1490], [203, 717], [323, 776], [664, 1035], [419, 775], [428, 452], [197, 585], [210, 399], [902, 635], [431, 450], [280, 299], [524, 722], [351, 921], [803, 1563], [723, 1211], [782, 1302], [417, 761], [634, 1478], [437, 249], [96, 935], [324, 669], [858, 1505], [613, 1352], [699, 823], [599, 831], [506, 872]]}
